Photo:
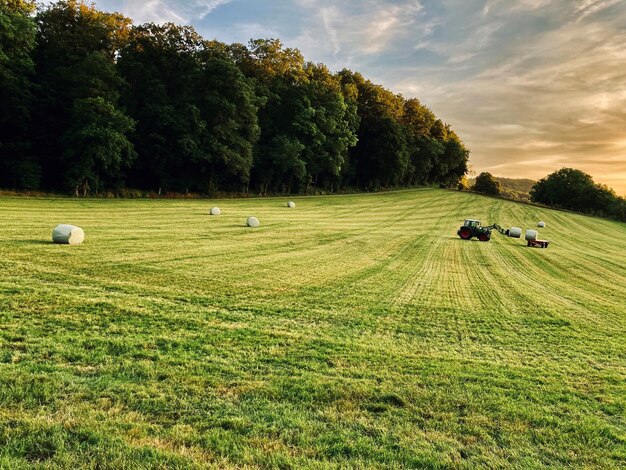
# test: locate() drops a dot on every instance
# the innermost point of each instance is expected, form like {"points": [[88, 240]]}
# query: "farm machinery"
{"points": [[538, 243], [472, 228]]}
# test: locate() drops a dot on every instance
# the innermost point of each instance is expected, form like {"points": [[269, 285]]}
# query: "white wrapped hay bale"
{"points": [[253, 222], [541, 224], [291, 204], [215, 211], [515, 232], [531, 235], [68, 235]]}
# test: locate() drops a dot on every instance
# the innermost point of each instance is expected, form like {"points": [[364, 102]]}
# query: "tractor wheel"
{"points": [[484, 237], [465, 233]]}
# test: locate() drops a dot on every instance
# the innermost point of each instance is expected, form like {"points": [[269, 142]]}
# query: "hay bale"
{"points": [[291, 204], [215, 211], [515, 232], [531, 235], [68, 235], [541, 224], [253, 222]]}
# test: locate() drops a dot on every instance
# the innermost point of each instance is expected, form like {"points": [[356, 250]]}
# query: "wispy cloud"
{"points": [[589, 7], [530, 85], [163, 11], [358, 32], [538, 98]]}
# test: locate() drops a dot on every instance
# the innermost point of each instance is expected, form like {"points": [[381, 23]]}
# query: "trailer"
{"points": [[538, 243]]}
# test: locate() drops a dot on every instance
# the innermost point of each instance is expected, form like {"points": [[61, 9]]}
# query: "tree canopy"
{"points": [[17, 40], [487, 184], [573, 189], [93, 103]]}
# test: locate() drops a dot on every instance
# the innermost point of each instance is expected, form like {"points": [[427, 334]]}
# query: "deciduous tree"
{"points": [[18, 169], [487, 184]]}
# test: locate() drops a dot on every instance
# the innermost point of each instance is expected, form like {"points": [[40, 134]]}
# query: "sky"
{"points": [[530, 86]]}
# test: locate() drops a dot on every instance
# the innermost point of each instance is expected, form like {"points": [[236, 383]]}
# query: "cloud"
{"points": [[358, 32], [533, 101], [530, 85], [163, 11], [589, 7]]}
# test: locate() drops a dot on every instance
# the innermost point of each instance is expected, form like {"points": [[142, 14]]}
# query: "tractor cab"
{"points": [[472, 228], [471, 223]]}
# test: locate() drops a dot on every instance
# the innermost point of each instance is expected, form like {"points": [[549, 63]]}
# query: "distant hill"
{"points": [[513, 188], [522, 185]]}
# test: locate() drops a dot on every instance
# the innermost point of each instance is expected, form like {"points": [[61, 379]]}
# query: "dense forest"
{"points": [[91, 102]]}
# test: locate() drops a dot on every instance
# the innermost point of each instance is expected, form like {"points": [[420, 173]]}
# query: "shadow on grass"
{"points": [[524, 245], [34, 242], [458, 239]]}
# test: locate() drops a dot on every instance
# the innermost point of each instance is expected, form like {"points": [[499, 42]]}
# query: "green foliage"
{"points": [[329, 131], [96, 143], [268, 61], [284, 162], [77, 78], [200, 115], [454, 162], [487, 184], [160, 64], [463, 184], [573, 189], [229, 108], [356, 332], [381, 158], [18, 168], [423, 149]]}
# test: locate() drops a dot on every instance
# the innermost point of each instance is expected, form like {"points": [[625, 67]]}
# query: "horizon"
{"points": [[530, 88]]}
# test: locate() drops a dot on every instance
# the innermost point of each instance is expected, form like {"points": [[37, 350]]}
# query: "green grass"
{"points": [[352, 331]]}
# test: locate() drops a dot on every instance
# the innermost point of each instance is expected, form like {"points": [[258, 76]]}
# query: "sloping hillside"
{"points": [[513, 188], [350, 331], [523, 185]]}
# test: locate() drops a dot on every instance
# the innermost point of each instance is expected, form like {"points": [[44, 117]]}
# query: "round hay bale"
{"points": [[253, 222], [541, 224], [515, 232], [215, 211], [531, 235], [68, 235], [291, 204]]}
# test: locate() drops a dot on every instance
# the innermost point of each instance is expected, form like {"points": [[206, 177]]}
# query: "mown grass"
{"points": [[352, 331]]}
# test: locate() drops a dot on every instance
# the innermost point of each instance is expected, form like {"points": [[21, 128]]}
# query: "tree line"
{"points": [[91, 102], [567, 188], [572, 189]]}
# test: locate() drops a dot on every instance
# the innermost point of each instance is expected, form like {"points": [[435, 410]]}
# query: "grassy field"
{"points": [[349, 332]]}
